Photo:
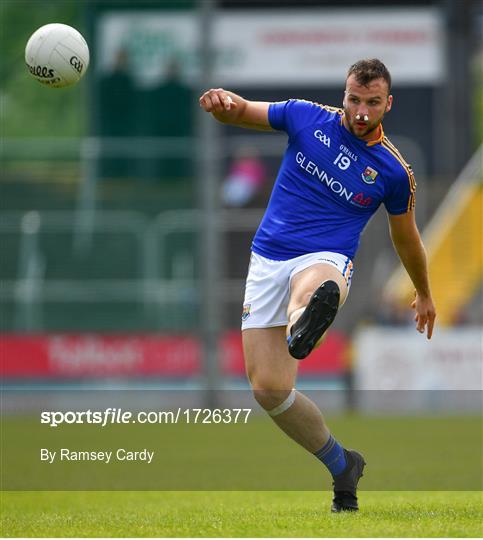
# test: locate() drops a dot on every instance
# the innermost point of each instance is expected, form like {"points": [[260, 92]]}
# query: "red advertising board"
{"points": [[95, 355]]}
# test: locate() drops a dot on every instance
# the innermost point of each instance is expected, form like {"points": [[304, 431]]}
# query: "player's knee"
{"points": [[276, 403], [306, 298], [294, 314], [298, 305], [269, 394], [270, 399]]}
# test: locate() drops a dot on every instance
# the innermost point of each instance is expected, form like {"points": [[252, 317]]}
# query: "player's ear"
{"points": [[389, 103]]}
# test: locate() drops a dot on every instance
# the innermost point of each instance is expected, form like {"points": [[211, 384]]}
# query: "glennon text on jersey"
{"points": [[313, 169]]}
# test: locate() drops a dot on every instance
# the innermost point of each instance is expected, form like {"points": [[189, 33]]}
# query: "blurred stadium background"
{"points": [[127, 215]]}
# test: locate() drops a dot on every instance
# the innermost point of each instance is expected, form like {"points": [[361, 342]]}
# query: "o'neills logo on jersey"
{"points": [[313, 169]]}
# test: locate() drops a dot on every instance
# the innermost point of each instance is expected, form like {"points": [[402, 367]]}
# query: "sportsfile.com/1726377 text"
{"points": [[113, 415]]}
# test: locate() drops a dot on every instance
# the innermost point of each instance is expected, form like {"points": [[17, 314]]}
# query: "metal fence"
{"points": [[134, 263]]}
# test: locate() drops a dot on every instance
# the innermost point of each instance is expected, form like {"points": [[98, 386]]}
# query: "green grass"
{"points": [[439, 453], [242, 514], [216, 481]]}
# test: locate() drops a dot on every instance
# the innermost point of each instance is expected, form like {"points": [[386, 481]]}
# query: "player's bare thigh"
{"points": [[270, 368], [304, 283]]}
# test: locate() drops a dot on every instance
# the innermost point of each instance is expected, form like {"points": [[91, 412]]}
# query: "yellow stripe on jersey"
{"points": [[411, 202], [395, 152], [331, 109], [412, 182], [328, 108]]}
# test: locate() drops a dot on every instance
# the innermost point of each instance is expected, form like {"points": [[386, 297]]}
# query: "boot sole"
{"points": [[314, 321]]}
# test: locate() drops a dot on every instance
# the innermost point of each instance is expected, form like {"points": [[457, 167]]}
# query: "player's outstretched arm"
{"points": [[409, 246], [229, 108]]}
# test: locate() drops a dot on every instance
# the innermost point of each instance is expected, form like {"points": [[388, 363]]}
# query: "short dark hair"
{"points": [[367, 70]]}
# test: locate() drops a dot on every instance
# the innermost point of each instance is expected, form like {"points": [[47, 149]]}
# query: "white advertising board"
{"points": [[310, 47], [401, 359]]}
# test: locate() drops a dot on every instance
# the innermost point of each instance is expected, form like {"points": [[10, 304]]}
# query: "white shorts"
{"points": [[267, 290]]}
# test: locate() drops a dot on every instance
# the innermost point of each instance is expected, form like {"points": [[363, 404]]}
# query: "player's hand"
{"points": [[217, 100], [425, 314]]}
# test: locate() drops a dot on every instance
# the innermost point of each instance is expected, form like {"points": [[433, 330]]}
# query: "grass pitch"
{"points": [[440, 453], [434, 484], [238, 514]]}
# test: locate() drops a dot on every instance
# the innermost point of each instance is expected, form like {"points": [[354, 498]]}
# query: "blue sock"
{"points": [[332, 456]]}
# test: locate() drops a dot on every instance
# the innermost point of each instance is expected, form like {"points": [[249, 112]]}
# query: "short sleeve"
{"points": [[401, 196], [293, 115]]}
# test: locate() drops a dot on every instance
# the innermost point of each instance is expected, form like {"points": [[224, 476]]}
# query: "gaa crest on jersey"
{"points": [[246, 312], [369, 175]]}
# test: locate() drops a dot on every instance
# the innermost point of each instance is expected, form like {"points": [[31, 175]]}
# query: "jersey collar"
{"points": [[377, 140]]}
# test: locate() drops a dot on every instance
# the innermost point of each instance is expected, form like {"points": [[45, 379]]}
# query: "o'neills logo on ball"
{"points": [[76, 64], [43, 72]]}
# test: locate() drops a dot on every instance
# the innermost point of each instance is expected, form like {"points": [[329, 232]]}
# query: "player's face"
{"points": [[365, 106]]}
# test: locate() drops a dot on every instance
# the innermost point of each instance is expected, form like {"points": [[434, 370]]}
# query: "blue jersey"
{"points": [[329, 184]]}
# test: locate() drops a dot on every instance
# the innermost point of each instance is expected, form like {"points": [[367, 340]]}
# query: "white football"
{"points": [[57, 55]]}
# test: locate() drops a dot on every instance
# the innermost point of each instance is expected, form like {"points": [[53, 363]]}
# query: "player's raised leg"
{"points": [[316, 294]]}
